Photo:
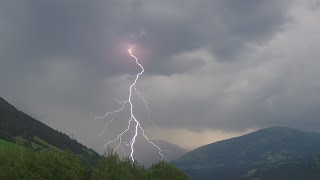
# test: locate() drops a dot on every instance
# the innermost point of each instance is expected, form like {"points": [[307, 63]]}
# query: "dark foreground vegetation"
{"points": [[16, 164]]}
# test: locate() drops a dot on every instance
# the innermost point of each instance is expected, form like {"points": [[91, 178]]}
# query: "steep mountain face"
{"points": [[15, 124], [234, 158]]}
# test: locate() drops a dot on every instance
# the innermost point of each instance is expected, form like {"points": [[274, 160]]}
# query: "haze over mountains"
{"points": [[146, 154]]}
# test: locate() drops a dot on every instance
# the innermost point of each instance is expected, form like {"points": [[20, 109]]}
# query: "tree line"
{"points": [[16, 164]]}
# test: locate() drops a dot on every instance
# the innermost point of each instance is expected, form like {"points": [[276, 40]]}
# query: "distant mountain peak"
{"points": [[277, 131], [279, 128]]}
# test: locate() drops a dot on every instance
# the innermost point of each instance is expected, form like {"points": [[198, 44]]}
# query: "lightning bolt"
{"points": [[133, 123]]}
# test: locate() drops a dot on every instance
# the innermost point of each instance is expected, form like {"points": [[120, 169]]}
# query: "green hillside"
{"points": [[19, 128], [9, 145], [258, 152]]}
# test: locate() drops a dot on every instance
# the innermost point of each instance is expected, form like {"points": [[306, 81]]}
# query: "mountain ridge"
{"points": [[16, 125], [265, 148]]}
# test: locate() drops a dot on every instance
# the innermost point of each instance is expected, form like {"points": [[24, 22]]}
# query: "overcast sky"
{"points": [[213, 68]]}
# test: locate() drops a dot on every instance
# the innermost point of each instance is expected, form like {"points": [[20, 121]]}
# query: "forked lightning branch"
{"points": [[133, 123]]}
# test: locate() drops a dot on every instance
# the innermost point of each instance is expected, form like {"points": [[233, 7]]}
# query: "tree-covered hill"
{"points": [[18, 127], [266, 150]]}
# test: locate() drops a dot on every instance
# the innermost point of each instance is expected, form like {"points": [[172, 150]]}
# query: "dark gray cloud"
{"points": [[92, 31], [222, 64]]}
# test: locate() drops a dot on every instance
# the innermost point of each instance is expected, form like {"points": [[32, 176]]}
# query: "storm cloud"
{"points": [[211, 65]]}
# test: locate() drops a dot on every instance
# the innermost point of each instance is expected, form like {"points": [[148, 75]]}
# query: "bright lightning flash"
{"points": [[133, 123]]}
